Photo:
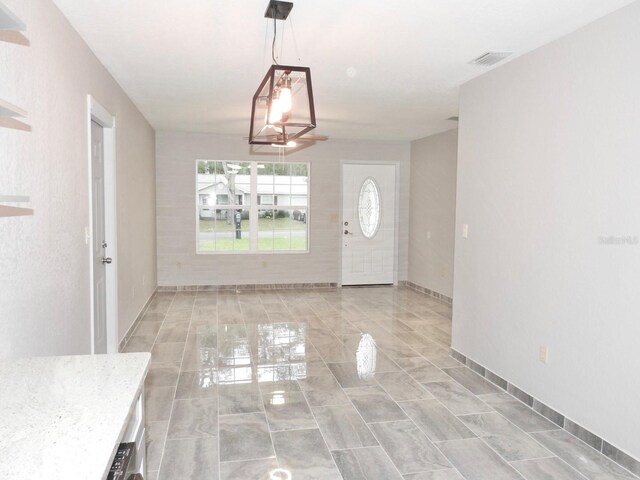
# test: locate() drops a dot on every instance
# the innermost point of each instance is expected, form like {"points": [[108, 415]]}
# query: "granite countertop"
{"points": [[63, 417]]}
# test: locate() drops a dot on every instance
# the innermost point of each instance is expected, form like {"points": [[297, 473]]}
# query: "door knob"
{"points": [[107, 260], [347, 232]]}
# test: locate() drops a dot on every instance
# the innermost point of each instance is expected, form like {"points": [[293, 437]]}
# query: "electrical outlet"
{"points": [[428, 235], [465, 230], [544, 354]]}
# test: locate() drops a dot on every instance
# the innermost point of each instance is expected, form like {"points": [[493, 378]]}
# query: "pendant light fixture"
{"points": [[282, 108]]}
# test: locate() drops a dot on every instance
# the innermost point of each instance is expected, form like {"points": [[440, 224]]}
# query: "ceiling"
{"points": [[381, 69]]}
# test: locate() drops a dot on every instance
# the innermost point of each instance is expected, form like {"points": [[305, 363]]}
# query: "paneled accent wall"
{"points": [[178, 263]]}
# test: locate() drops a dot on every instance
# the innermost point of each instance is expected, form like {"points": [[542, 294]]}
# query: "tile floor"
{"points": [[352, 383]]}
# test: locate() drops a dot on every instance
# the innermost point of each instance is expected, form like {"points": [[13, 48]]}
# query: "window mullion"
{"points": [[253, 208]]}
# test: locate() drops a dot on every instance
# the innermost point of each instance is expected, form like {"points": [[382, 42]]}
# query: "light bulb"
{"points": [[285, 99], [276, 111]]}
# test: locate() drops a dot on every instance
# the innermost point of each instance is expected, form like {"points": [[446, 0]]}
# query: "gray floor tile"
{"points": [[304, 454], [471, 381], [400, 386], [518, 413], [436, 421], [547, 469], [194, 417], [155, 436], [287, 411], [348, 375], [342, 427], [457, 398], [239, 398], [200, 384], [262, 469], [375, 405], [190, 459], [147, 329], [167, 354], [244, 437], [162, 377], [439, 356], [140, 344], [509, 441], [210, 341], [323, 390], [476, 461], [173, 333], [450, 474], [370, 463], [157, 403], [422, 370], [335, 352], [409, 449], [580, 456]]}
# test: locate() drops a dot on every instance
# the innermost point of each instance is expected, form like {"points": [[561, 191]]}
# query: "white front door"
{"points": [[98, 239], [368, 224]]}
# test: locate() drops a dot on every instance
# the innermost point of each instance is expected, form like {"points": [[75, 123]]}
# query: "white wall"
{"points": [[433, 211], [548, 163], [44, 264], [178, 263]]}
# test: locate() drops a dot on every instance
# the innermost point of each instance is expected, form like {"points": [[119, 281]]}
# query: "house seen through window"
{"points": [[252, 206]]}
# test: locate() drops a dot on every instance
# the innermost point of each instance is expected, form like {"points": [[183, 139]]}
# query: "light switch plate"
{"points": [[544, 354], [465, 230]]}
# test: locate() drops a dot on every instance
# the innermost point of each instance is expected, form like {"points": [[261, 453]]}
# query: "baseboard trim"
{"points": [[129, 333], [244, 287], [594, 441], [426, 291]]}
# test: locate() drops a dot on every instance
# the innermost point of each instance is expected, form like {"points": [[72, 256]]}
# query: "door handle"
{"points": [[107, 260], [347, 232]]}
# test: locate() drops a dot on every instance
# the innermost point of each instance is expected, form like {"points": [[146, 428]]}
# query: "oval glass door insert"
{"points": [[369, 208]]}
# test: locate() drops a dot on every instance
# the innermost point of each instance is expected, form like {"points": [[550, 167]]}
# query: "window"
{"points": [[369, 208], [235, 217]]}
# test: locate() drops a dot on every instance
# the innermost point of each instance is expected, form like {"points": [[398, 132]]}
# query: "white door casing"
{"points": [[368, 227], [103, 290]]}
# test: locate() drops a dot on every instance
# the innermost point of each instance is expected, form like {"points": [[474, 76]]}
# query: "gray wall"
{"points": [[549, 163], [178, 263], [433, 211], [44, 261]]}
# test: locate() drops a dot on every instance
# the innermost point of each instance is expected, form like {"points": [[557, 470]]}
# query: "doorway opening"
{"points": [[101, 234]]}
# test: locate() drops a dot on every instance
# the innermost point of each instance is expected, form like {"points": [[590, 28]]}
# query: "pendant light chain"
{"points": [[295, 43], [273, 44]]}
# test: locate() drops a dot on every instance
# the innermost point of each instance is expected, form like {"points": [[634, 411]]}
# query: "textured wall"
{"points": [[548, 167], [433, 211], [44, 261], [178, 263]]}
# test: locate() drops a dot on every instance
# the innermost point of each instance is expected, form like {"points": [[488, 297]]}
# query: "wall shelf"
{"points": [[9, 114], [9, 21], [10, 211], [9, 110]]}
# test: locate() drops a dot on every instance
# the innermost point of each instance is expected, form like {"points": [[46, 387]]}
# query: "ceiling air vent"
{"points": [[490, 58]]}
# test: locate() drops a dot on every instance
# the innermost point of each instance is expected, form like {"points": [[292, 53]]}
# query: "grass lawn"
{"points": [[264, 244], [263, 224]]}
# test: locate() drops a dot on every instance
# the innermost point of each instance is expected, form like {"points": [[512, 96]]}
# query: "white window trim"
{"points": [[253, 212]]}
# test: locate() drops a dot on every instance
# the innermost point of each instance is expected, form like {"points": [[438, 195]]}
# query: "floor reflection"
{"points": [[366, 357], [239, 354]]}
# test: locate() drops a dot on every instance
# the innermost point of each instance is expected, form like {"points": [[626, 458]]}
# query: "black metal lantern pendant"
{"points": [[282, 108]]}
